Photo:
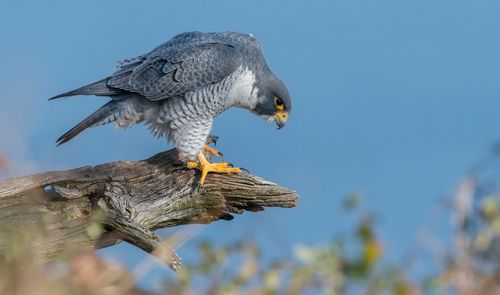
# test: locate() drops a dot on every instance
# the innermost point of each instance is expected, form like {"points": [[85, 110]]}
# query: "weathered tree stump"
{"points": [[128, 201]]}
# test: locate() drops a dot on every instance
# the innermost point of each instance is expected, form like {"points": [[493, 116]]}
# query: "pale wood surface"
{"points": [[130, 200]]}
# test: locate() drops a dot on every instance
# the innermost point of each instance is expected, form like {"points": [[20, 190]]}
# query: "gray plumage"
{"points": [[179, 87]]}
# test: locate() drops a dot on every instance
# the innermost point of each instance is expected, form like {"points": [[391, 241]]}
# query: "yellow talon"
{"points": [[206, 167], [212, 151]]}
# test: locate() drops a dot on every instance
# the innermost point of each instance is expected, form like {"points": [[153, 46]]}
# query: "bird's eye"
{"points": [[278, 102]]}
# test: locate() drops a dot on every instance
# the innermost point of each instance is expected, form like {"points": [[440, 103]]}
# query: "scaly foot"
{"points": [[206, 167]]}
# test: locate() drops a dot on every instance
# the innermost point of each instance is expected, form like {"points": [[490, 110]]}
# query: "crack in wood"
{"points": [[132, 198]]}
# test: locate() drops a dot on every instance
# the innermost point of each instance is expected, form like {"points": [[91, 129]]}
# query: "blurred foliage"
{"points": [[73, 271], [347, 264]]}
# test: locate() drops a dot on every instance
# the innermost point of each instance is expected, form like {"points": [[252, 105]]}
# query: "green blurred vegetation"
{"points": [[330, 268]]}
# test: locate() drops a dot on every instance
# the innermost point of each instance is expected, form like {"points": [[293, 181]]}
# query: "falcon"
{"points": [[179, 87]]}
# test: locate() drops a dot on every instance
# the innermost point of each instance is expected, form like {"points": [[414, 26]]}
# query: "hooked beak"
{"points": [[281, 117]]}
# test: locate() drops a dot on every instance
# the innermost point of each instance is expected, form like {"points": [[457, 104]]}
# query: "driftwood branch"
{"points": [[126, 201]]}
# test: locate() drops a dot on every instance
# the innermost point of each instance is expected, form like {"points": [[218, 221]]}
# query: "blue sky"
{"points": [[392, 99]]}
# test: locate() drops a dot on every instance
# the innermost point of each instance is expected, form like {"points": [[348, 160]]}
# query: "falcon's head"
{"points": [[273, 101]]}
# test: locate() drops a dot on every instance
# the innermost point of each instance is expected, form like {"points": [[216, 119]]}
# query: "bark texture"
{"points": [[126, 201]]}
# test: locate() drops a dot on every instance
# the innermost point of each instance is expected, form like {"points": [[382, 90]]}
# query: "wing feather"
{"points": [[183, 64]]}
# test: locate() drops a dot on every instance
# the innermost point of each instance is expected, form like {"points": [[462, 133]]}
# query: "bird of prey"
{"points": [[179, 87]]}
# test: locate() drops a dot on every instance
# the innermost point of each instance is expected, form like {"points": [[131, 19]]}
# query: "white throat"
{"points": [[243, 93]]}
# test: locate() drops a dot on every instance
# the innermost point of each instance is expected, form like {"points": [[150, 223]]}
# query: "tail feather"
{"points": [[99, 88], [105, 114]]}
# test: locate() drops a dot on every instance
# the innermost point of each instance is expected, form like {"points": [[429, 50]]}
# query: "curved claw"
{"points": [[241, 168], [212, 139]]}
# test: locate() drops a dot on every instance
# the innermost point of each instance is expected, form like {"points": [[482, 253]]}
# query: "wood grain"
{"points": [[128, 201]]}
